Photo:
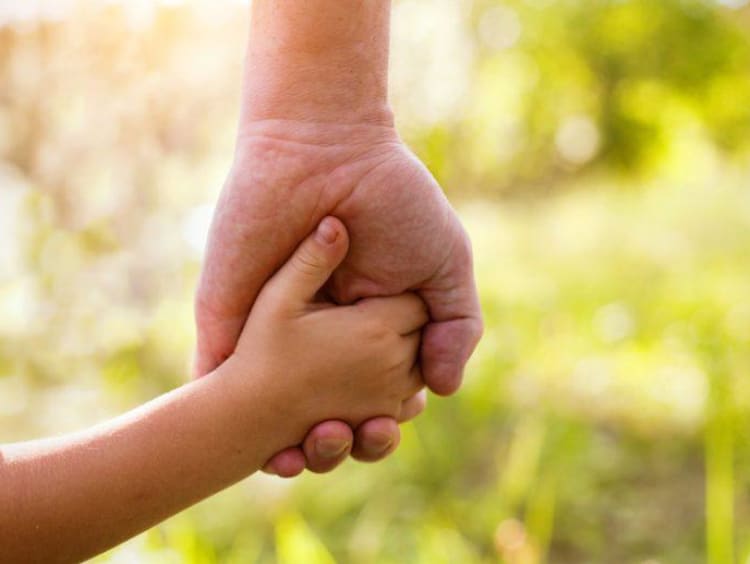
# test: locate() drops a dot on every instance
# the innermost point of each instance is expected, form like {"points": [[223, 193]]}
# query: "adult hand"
{"points": [[317, 138]]}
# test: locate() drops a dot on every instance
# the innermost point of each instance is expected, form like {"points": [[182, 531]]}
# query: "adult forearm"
{"points": [[324, 60], [66, 499]]}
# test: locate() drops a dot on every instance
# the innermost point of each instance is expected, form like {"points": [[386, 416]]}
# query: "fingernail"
{"points": [[327, 232], [379, 444], [331, 448]]}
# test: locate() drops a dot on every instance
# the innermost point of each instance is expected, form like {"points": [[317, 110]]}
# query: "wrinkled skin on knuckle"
{"points": [[402, 228]]}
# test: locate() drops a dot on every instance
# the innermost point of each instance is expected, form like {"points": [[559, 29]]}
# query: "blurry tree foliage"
{"points": [[564, 87]]}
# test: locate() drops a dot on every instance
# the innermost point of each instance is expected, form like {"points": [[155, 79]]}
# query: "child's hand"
{"points": [[299, 361], [323, 361]]}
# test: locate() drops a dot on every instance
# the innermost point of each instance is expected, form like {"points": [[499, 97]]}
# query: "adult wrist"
{"points": [[325, 89], [318, 60]]}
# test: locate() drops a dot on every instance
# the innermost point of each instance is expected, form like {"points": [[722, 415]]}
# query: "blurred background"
{"points": [[599, 153]]}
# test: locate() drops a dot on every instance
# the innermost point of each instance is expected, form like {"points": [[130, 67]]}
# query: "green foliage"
{"points": [[639, 73]]}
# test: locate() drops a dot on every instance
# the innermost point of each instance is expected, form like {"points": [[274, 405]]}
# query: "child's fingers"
{"points": [[311, 265], [414, 383], [404, 314], [413, 406]]}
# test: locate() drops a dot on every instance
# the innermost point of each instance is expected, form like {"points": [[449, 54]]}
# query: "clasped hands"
{"points": [[403, 237]]}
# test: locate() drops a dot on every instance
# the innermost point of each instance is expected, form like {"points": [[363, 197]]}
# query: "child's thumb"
{"points": [[313, 262]]}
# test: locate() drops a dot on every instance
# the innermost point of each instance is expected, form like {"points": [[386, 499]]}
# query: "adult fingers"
{"points": [[449, 341], [327, 445], [287, 464], [446, 348], [375, 439]]}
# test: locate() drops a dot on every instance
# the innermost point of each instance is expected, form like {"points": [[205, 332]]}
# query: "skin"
{"points": [[69, 498], [317, 137]]}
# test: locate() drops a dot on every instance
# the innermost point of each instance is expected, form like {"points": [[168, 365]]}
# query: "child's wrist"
{"points": [[253, 399]]}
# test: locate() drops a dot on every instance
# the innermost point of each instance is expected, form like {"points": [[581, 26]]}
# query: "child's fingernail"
{"points": [[331, 448], [327, 232]]}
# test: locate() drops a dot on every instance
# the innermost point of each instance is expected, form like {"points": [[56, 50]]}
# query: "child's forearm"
{"points": [[66, 499]]}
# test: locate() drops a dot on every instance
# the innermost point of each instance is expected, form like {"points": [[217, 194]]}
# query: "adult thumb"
{"points": [[312, 264]]}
